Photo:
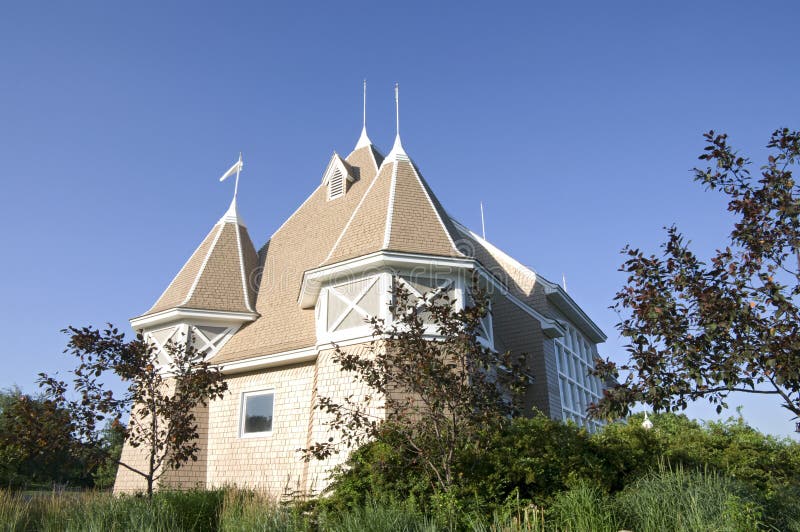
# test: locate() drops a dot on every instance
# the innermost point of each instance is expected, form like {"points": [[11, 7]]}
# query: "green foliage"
{"points": [[37, 446], [161, 403], [112, 440], [532, 458], [767, 464], [437, 383], [677, 500], [101, 512], [246, 511], [378, 517], [583, 507], [539, 460]]}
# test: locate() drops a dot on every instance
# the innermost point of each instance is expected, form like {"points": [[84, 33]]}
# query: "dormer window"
{"points": [[336, 184], [337, 177]]}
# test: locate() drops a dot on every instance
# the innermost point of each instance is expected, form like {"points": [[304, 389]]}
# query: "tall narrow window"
{"points": [[257, 413], [574, 359]]}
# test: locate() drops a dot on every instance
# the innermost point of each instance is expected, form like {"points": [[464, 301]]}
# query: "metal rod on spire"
{"points": [[483, 225], [397, 106], [564, 281], [238, 171], [364, 123]]}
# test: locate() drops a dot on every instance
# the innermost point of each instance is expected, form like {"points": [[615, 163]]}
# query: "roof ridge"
{"points": [[202, 268], [387, 232], [352, 216], [464, 229], [425, 189], [247, 304]]}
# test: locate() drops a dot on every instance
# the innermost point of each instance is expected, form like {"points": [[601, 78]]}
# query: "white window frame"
{"points": [[243, 412], [574, 378], [324, 335]]}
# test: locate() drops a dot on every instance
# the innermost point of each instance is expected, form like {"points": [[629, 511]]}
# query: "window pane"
{"points": [[258, 413]]}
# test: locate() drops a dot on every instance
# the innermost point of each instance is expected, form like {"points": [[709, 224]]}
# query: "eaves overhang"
{"points": [[561, 300], [313, 280], [148, 321]]}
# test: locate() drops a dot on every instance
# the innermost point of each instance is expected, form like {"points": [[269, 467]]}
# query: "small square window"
{"points": [[257, 413]]}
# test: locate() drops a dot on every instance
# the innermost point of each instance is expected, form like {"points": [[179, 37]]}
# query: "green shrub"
{"points": [[765, 463], [377, 472]]}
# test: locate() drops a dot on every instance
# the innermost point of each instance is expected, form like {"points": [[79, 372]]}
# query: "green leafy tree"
{"points": [[112, 441], [438, 392], [161, 399], [704, 330], [36, 444]]}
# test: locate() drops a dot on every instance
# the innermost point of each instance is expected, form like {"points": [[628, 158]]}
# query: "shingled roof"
{"points": [[399, 212], [217, 275], [390, 207], [300, 244]]}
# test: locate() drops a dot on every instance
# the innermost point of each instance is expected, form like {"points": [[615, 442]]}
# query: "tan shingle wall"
{"points": [[269, 463], [272, 463], [333, 382]]}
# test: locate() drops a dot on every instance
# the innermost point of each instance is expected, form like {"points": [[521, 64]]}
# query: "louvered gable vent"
{"points": [[337, 176], [336, 184]]}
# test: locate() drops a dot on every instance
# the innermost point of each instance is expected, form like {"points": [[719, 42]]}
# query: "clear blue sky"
{"points": [[576, 124]]}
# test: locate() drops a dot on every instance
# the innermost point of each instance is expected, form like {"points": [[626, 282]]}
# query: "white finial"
{"points": [[232, 214], [564, 281], [647, 424], [397, 149], [483, 225], [364, 139]]}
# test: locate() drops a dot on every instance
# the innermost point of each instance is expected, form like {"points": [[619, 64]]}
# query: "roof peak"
{"points": [[232, 215], [398, 153], [363, 140]]}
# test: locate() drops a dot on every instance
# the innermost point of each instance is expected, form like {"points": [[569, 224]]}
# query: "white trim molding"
{"points": [[190, 315], [285, 358]]}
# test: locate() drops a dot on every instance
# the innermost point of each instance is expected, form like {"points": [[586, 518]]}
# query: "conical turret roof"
{"points": [[399, 212], [217, 276]]}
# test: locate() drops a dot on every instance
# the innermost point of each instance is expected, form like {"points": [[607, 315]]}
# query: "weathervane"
{"points": [[237, 168]]}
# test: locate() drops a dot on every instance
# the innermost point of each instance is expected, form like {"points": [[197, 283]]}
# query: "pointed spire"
{"points": [[647, 424], [397, 149], [364, 139], [232, 214]]}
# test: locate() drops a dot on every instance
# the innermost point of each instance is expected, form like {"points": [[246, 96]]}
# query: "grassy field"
{"points": [[664, 501]]}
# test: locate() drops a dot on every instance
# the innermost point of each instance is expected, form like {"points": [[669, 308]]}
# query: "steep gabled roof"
{"points": [[217, 275]]}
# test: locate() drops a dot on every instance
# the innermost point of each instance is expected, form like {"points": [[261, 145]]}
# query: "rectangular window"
{"points": [[257, 413]]}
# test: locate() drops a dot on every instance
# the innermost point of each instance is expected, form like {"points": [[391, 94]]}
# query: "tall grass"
{"points": [[677, 500], [245, 511], [666, 500], [583, 508]]}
